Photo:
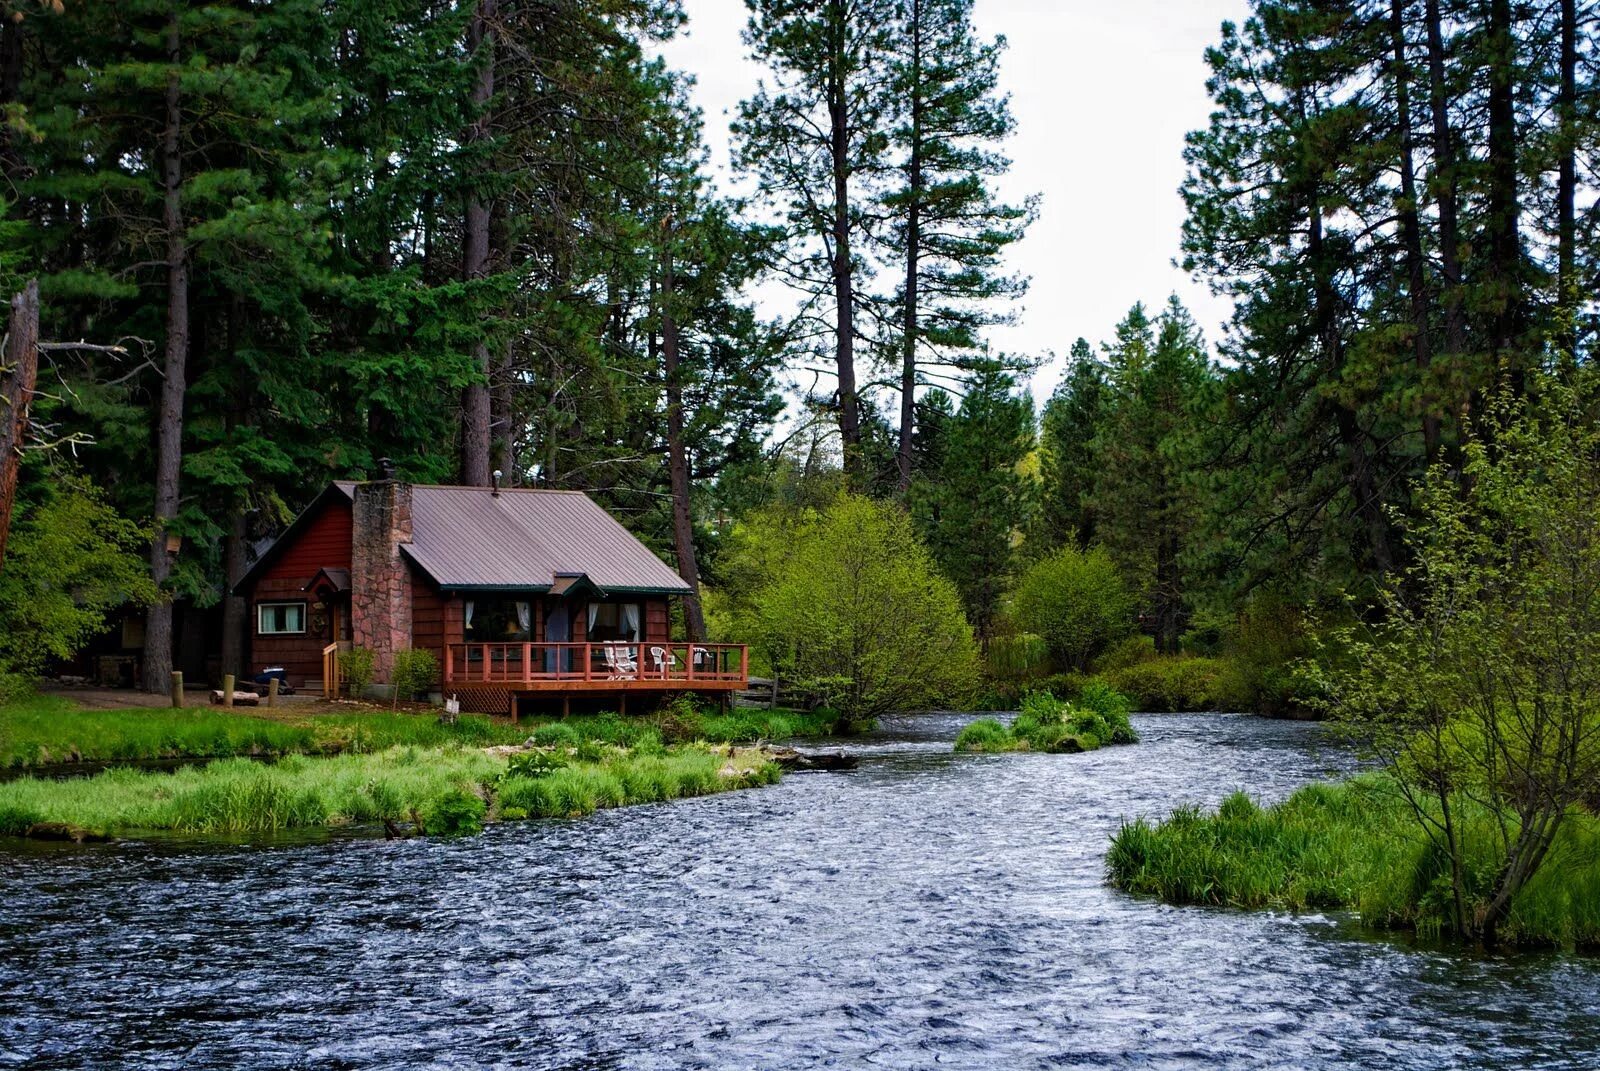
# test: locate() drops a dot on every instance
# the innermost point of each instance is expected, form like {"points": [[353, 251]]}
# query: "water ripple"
{"points": [[927, 910]]}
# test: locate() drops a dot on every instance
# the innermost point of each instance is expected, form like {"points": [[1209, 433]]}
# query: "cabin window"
{"points": [[614, 621], [497, 620], [280, 618]]}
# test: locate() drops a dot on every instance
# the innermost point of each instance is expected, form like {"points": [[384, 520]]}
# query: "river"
{"points": [[926, 910]]}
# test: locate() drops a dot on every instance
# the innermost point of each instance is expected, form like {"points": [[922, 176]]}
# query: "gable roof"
{"points": [[526, 539]]}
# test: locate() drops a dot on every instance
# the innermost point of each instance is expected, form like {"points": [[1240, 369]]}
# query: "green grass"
{"points": [[1354, 845], [1099, 718], [453, 790], [42, 730]]}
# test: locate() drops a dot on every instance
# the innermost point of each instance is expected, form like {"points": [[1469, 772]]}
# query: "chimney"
{"points": [[380, 581]]}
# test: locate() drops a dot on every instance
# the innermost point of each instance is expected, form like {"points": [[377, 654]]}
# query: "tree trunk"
{"points": [[1444, 184], [908, 360], [233, 606], [1567, 182], [1169, 596], [1411, 233], [1504, 245], [17, 378], [169, 427], [843, 266], [476, 406], [694, 618]]}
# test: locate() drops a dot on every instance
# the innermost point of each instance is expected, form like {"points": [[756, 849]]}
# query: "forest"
{"points": [[275, 242]]}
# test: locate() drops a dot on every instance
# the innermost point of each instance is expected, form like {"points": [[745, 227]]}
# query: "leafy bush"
{"points": [[555, 734], [357, 666], [1076, 601], [414, 671], [534, 764], [1172, 685]]}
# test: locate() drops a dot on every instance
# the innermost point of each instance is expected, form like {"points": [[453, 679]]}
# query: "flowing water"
{"points": [[927, 910]]}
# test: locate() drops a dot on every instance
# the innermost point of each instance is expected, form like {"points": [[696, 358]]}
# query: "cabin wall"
{"points": [[657, 621], [427, 618], [323, 544]]}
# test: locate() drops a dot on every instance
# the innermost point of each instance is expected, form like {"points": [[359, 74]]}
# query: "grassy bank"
{"points": [[42, 730], [1098, 718], [442, 790], [1354, 845]]}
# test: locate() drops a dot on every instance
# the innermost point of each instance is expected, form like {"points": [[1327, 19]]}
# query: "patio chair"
{"points": [[663, 660], [620, 665]]}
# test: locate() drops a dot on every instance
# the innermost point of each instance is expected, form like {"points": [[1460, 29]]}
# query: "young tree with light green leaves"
{"points": [[855, 611]]}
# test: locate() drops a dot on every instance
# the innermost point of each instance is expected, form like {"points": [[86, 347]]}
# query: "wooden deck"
{"points": [[581, 668]]}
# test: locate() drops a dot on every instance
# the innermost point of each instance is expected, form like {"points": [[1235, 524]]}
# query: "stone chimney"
{"points": [[380, 580]]}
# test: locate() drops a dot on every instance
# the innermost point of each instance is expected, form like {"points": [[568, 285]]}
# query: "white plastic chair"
{"points": [[620, 663], [664, 660]]}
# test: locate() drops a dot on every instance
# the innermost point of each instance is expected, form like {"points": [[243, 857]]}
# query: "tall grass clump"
{"points": [[39, 730], [985, 734], [1357, 845], [1045, 723]]}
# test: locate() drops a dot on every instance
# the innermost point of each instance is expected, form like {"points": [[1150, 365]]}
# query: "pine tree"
{"points": [[1148, 447], [1069, 466], [946, 229], [814, 141], [972, 507]]}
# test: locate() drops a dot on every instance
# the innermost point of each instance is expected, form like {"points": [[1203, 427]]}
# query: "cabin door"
{"points": [[558, 629]]}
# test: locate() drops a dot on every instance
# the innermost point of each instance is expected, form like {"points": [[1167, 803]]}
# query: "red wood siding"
{"points": [[323, 544], [657, 622], [300, 654], [427, 617]]}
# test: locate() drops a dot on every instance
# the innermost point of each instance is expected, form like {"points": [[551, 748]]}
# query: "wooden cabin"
{"points": [[520, 595]]}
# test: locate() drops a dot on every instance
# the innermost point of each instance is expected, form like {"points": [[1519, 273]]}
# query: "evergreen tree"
{"points": [[1069, 467], [971, 508], [813, 141], [1147, 448], [946, 230]]}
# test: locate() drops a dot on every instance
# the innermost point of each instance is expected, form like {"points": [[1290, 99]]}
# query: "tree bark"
{"points": [[1411, 233], [233, 606], [476, 415], [1567, 181], [694, 618], [11, 31], [908, 359], [1504, 245], [839, 130], [17, 378], [1444, 183], [169, 427]]}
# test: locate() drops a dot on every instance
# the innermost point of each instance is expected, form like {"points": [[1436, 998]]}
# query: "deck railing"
{"points": [[636, 665]]}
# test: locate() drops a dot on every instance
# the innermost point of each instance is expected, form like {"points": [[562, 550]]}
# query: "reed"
{"points": [[437, 785], [1356, 845]]}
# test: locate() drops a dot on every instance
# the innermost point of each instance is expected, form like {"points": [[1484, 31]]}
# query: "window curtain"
{"points": [[594, 614], [468, 608], [525, 618], [630, 620]]}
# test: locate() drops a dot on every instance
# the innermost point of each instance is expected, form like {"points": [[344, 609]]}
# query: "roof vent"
{"points": [[496, 491], [385, 468]]}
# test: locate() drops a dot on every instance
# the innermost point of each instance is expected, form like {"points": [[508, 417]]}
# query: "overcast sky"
{"points": [[1103, 92]]}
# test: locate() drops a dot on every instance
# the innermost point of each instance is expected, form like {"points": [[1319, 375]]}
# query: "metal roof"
{"points": [[470, 537]]}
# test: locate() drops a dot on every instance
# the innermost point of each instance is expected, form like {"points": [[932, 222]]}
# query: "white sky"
{"points": [[1103, 92]]}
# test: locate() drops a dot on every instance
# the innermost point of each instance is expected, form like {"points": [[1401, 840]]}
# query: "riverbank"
{"points": [[1354, 845], [46, 730], [407, 789]]}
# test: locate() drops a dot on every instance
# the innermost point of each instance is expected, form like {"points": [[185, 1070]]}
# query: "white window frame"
{"points": [[260, 622]]}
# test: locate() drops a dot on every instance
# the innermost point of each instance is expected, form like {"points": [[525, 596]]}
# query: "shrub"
{"points": [[1076, 601], [414, 671], [534, 764], [357, 666], [555, 734], [1048, 724]]}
